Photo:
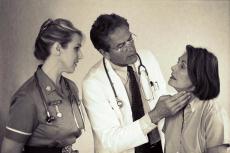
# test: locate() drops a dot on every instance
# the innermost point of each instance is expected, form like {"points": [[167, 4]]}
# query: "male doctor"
{"points": [[123, 99]]}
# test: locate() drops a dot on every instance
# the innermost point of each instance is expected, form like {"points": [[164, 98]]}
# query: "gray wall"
{"points": [[165, 27]]}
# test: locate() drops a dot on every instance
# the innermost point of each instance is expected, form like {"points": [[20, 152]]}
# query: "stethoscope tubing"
{"points": [[108, 76], [42, 97], [50, 117], [119, 102]]}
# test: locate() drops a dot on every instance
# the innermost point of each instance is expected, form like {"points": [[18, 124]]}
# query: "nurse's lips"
{"points": [[75, 62]]}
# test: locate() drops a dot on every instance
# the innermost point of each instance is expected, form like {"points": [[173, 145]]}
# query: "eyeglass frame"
{"points": [[125, 43]]}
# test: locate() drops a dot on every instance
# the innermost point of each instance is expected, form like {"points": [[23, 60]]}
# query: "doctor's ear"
{"points": [[105, 54]]}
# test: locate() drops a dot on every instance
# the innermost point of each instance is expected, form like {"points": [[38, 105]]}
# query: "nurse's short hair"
{"points": [[203, 72], [51, 31], [102, 27]]}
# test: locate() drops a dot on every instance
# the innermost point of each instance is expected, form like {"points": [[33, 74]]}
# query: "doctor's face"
{"points": [[122, 51], [179, 77]]}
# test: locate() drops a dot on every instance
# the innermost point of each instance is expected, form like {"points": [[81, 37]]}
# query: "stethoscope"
{"points": [[49, 117], [141, 67]]}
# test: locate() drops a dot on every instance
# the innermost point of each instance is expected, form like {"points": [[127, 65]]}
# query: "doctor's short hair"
{"points": [[51, 31], [102, 27], [203, 72]]}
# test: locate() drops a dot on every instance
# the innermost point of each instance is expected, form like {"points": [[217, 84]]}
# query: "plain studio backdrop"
{"points": [[165, 27]]}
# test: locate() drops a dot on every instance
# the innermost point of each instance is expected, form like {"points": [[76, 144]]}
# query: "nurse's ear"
{"points": [[105, 54], [56, 49]]}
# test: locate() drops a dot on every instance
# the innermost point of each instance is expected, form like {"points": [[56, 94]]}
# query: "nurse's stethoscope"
{"points": [[49, 117], [141, 70]]}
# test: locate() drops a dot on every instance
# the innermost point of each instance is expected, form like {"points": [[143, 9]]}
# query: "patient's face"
{"points": [[179, 77]]}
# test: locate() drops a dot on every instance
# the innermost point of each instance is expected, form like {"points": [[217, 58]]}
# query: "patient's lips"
{"points": [[172, 77]]}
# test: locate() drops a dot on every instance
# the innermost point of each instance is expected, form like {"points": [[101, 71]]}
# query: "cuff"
{"points": [[146, 124]]}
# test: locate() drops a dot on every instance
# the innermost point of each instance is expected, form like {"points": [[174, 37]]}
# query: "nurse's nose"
{"points": [[79, 55]]}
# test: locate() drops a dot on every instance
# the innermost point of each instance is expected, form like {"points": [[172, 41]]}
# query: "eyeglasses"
{"points": [[120, 47]]}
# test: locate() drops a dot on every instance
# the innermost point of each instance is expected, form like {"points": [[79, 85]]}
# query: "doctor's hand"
{"points": [[168, 105]]}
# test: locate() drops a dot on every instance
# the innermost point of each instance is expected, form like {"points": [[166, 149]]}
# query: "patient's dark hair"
{"points": [[203, 72]]}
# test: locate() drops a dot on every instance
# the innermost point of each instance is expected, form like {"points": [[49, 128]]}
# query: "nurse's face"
{"points": [[71, 54], [122, 51], [179, 77]]}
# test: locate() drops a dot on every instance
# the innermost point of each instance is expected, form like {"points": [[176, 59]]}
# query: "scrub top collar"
{"points": [[49, 89]]}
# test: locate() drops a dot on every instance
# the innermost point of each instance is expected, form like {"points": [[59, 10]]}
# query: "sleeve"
{"points": [[22, 117], [105, 123], [216, 128], [146, 124]]}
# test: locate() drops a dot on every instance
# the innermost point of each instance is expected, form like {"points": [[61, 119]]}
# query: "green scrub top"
{"points": [[27, 116]]}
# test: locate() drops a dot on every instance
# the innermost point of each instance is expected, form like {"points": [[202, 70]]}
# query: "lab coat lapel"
{"points": [[125, 111], [151, 102]]}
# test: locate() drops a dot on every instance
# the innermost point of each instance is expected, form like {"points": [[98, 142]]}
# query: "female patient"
{"points": [[199, 127], [45, 115]]}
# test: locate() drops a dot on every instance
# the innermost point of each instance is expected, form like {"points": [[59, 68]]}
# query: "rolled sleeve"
{"points": [[21, 121]]}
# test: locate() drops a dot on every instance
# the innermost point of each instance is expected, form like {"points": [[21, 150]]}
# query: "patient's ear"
{"points": [[105, 54], [192, 88]]}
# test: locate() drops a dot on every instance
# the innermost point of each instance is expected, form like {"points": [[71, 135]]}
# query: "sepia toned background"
{"points": [[165, 27]]}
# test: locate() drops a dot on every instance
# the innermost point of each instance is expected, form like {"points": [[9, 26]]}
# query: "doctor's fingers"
{"points": [[164, 97], [180, 103], [179, 95]]}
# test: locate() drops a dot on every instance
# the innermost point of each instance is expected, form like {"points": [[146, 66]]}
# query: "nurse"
{"points": [[45, 113]]}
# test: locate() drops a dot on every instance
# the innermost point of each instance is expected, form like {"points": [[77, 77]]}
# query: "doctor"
{"points": [[122, 92]]}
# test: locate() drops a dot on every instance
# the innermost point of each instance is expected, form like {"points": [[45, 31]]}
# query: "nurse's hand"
{"points": [[168, 105]]}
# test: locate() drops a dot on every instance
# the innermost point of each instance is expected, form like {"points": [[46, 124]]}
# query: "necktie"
{"points": [[137, 106], [138, 111]]}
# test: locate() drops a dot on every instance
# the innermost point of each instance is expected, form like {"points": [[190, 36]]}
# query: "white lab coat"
{"points": [[113, 128]]}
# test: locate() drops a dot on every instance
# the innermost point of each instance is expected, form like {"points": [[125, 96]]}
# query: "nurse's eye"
{"points": [[77, 48]]}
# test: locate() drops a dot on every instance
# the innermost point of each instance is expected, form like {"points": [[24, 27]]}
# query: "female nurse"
{"points": [[45, 113]]}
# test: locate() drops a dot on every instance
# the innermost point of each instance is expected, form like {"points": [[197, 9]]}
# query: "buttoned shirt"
{"points": [[27, 117], [198, 127]]}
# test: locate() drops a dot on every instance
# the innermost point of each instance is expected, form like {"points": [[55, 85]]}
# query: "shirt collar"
{"points": [[192, 105], [120, 70]]}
